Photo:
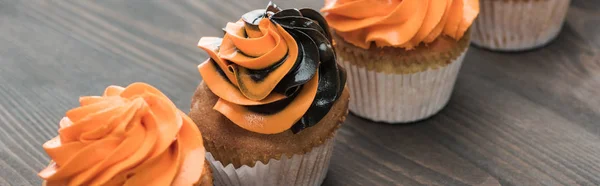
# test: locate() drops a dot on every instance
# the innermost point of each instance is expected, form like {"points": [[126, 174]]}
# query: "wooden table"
{"points": [[530, 118]]}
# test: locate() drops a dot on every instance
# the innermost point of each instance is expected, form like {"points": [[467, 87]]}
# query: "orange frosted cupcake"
{"points": [[402, 56], [271, 100], [128, 136], [516, 25]]}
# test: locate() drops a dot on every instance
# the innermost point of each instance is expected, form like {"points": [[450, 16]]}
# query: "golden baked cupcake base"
{"points": [[248, 158], [517, 25], [393, 85]]}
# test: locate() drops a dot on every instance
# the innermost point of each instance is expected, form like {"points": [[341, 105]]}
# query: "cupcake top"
{"points": [[399, 23], [132, 135], [273, 70]]}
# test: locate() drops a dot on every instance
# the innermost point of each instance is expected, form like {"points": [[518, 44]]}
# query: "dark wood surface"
{"points": [[529, 118]]}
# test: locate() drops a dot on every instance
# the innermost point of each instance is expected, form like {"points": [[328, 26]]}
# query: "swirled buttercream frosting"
{"points": [[128, 136], [399, 23], [273, 70]]}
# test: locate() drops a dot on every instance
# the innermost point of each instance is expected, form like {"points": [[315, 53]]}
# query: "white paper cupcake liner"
{"points": [[517, 25], [400, 98], [307, 169]]}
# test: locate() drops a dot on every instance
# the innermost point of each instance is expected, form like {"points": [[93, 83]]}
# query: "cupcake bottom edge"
{"points": [[518, 46], [300, 169]]}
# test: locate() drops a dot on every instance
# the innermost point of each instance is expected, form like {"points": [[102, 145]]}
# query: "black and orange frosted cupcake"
{"points": [[271, 100], [402, 56], [128, 136]]}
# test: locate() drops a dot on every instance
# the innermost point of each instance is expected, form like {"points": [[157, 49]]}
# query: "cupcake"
{"points": [[133, 136], [402, 56], [271, 99], [516, 25]]}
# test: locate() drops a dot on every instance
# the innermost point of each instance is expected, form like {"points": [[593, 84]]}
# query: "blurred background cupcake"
{"points": [[402, 57], [271, 100], [127, 136], [516, 25]]}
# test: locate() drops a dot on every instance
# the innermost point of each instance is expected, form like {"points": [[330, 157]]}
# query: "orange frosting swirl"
{"points": [[128, 136], [399, 23], [237, 55]]}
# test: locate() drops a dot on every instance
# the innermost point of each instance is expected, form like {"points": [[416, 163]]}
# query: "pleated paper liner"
{"points": [[299, 169], [517, 25], [206, 179], [400, 98], [394, 85]]}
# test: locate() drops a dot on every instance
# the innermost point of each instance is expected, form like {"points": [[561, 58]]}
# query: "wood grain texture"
{"points": [[528, 118]]}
